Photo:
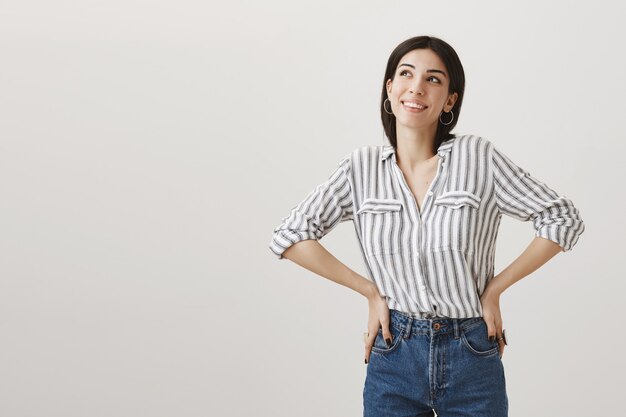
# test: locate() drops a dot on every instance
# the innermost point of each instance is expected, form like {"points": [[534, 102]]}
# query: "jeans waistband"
{"points": [[411, 325]]}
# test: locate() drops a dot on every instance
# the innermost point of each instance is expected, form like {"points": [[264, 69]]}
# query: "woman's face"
{"points": [[420, 78]]}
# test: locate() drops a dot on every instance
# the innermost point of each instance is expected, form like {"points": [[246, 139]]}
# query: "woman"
{"points": [[426, 210]]}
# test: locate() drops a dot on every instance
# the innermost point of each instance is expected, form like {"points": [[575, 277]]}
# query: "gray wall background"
{"points": [[148, 149]]}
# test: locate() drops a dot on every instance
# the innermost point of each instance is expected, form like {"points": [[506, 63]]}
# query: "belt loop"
{"points": [[456, 328], [407, 329]]}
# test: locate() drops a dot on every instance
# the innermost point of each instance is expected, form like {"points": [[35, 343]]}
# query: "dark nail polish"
{"points": [[388, 340], [365, 360], [492, 338]]}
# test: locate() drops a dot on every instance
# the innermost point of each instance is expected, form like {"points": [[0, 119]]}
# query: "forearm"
{"points": [[310, 254], [536, 254]]}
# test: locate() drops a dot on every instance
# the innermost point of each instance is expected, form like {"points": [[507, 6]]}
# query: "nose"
{"points": [[417, 87]]}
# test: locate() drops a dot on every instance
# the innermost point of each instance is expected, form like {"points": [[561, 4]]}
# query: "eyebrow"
{"points": [[428, 70]]}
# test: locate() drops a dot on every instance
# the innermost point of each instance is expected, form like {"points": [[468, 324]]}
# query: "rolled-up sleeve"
{"points": [[524, 197], [318, 213]]}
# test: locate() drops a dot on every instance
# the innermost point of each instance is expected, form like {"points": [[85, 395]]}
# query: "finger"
{"points": [[369, 343], [499, 332], [491, 330], [501, 343], [387, 335]]}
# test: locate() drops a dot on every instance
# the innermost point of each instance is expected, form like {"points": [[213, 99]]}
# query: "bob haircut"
{"points": [[456, 84]]}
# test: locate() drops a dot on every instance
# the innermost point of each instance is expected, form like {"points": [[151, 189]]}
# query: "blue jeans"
{"points": [[442, 364]]}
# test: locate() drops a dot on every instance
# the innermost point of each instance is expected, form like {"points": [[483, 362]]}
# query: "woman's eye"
{"points": [[430, 78]]}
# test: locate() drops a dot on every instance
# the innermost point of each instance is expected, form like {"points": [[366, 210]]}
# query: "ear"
{"points": [[451, 100], [389, 86]]}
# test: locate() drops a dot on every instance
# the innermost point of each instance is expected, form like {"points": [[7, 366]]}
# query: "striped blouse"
{"points": [[433, 261]]}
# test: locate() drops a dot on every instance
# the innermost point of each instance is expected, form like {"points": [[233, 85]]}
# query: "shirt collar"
{"points": [[442, 151]]}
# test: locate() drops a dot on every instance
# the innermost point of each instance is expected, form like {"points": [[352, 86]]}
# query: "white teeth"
{"points": [[414, 105]]}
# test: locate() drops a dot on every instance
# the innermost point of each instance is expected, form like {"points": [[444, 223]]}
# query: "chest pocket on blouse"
{"points": [[458, 199], [380, 220], [457, 212]]}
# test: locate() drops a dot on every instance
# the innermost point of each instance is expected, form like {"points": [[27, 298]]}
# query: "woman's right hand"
{"points": [[378, 318]]}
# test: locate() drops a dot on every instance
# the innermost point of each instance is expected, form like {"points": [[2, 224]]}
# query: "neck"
{"points": [[415, 146]]}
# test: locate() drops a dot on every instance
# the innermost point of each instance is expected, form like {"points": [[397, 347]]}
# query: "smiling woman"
{"points": [[428, 72], [426, 210]]}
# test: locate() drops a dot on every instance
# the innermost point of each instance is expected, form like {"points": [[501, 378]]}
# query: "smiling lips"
{"points": [[413, 106]]}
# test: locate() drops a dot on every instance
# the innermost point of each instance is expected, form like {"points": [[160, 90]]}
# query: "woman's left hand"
{"points": [[491, 314]]}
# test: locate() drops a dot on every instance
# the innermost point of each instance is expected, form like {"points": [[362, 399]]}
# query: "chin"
{"points": [[415, 124]]}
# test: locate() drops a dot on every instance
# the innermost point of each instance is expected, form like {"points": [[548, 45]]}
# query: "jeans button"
{"points": [[436, 326]]}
